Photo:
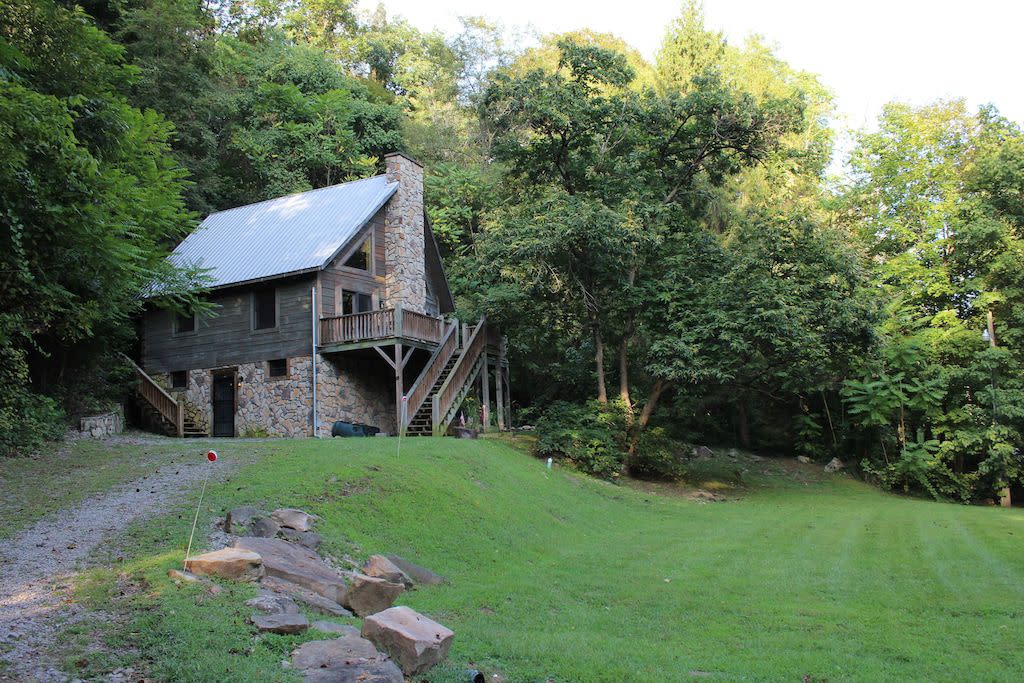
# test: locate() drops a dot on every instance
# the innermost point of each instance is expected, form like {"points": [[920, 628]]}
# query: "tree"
{"points": [[90, 196]]}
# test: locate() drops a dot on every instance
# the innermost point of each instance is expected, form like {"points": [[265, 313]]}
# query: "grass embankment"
{"points": [[555, 575]]}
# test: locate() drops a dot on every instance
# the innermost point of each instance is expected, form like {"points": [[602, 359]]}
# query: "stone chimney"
{"points": [[405, 278]]}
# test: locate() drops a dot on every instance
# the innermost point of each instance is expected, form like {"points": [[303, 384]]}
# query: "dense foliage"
{"points": [[660, 239]]}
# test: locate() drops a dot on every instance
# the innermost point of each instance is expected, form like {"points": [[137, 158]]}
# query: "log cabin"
{"points": [[329, 306]]}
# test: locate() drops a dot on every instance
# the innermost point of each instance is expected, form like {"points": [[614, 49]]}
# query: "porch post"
{"points": [[399, 388], [499, 395], [485, 377]]}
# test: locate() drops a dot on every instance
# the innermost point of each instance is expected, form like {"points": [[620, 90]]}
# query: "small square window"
{"points": [[277, 367], [179, 379], [184, 323], [264, 309]]}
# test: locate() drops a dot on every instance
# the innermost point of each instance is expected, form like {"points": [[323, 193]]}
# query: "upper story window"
{"points": [[355, 302], [264, 308], [184, 323], [360, 259]]}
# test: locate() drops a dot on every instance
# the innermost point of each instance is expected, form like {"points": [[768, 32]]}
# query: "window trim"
{"points": [[252, 312], [339, 299], [287, 369], [183, 333]]}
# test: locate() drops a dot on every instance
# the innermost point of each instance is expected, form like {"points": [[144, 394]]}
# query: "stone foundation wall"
{"points": [[284, 406], [99, 426]]}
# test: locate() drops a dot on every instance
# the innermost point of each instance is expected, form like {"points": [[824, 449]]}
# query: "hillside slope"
{"points": [[558, 576]]}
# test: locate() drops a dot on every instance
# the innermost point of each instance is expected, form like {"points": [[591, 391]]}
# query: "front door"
{"points": [[223, 405]]}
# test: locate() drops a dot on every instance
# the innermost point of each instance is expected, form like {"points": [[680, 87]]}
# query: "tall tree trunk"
{"points": [[602, 391], [645, 415], [743, 423], [624, 375]]}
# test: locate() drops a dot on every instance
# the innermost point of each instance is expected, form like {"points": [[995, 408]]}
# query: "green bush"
{"points": [[589, 437], [658, 457], [26, 418]]}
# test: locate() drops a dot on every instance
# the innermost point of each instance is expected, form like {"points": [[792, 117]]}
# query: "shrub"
{"points": [[27, 419], [658, 457], [589, 437]]}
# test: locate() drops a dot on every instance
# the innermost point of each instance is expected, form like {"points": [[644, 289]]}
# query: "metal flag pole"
{"points": [[212, 457]]}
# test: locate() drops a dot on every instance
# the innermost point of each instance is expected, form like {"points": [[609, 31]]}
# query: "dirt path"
{"points": [[37, 564]]}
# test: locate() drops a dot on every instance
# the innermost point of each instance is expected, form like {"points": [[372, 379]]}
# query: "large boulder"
{"points": [[418, 574], [239, 521], [834, 465], [293, 519], [313, 601], [265, 528], [270, 602], [369, 594], [298, 565], [415, 642], [280, 623], [383, 568], [350, 658], [236, 564], [308, 539]]}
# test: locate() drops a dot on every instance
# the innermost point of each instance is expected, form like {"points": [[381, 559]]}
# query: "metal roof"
{"points": [[293, 234]]}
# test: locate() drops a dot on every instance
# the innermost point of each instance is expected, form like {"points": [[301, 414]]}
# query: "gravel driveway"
{"points": [[37, 564]]}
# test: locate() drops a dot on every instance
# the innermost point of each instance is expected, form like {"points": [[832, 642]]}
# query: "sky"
{"points": [[868, 52]]}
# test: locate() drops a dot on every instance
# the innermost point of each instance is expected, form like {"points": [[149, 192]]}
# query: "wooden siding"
{"points": [[227, 338], [336, 276]]}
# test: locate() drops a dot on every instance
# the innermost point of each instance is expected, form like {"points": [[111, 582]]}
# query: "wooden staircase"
{"points": [[421, 423], [160, 411], [445, 381]]}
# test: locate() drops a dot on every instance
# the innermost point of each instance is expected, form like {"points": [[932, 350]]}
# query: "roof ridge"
{"points": [[294, 194]]}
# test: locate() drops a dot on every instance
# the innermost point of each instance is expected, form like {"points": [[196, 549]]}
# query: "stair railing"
{"points": [[463, 372], [165, 404], [420, 389]]}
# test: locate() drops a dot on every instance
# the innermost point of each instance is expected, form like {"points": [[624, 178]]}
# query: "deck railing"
{"points": [[383, 324]]}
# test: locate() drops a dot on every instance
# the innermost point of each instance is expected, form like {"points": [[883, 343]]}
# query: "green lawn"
{"points": [[555, 575]]}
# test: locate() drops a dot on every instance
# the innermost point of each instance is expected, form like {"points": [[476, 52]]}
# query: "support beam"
{"points": [[499, 395], [385, 356], [398, 365], [485, 403]]}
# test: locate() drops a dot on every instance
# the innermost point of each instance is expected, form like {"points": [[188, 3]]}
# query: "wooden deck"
{"points": [[373, 328]]}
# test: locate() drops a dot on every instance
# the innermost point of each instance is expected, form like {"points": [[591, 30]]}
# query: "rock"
{"points": [[418, 574], [702, 452], [299, 565], [368, 594], [307, 539], [237, 564], [280, 623], [318, 654], [315, 602], [347, 659], [415, 642], [834, 465], [269, 602], [804, 459], [179, 576], [293, 519], [331, 627], [238, 521], [464, 433], [383, 568], [265, 528]]}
